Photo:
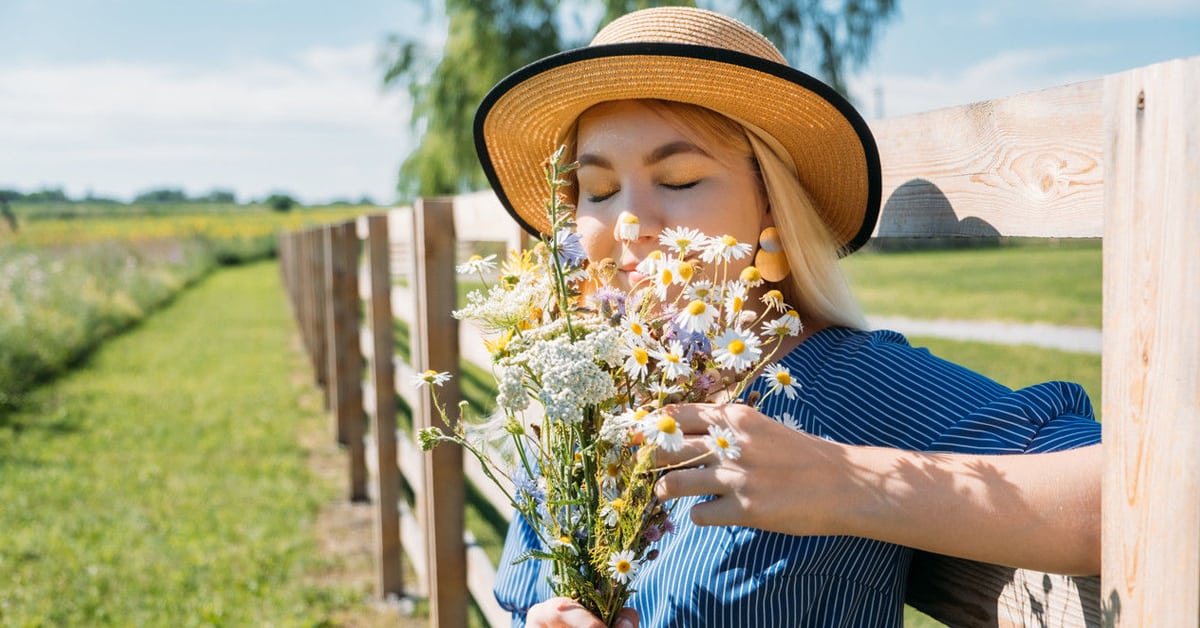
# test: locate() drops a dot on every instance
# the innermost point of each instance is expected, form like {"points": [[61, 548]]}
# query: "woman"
{"points": [[683, 117]]}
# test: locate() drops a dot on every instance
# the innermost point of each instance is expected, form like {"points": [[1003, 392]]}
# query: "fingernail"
{"points": [[624, 622]]}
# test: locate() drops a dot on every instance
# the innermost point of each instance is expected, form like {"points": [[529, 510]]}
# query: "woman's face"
{"points": [[633, 160]]}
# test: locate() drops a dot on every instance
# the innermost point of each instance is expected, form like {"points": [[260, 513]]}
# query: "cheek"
{"points": [[596, 236]]}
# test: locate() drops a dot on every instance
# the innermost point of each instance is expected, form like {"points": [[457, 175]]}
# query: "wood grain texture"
{"points": [[1026, 165], [444, 494], [383, 414], [1151, 366]]}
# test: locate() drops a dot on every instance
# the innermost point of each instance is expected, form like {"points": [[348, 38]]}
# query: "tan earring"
{"points": [[770, 259]]}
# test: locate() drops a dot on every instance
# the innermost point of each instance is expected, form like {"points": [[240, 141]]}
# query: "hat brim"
{"points": [[519, 122]]}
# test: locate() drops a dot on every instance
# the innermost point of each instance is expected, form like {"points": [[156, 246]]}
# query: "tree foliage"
{"points": [[488, 39]]}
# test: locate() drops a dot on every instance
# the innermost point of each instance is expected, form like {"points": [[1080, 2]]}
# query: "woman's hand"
{"points": [[563, 612], [1035, 511], [783, 480]]}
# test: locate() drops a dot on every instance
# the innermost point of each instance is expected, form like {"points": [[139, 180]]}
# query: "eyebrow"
{"points": [[662, 152]]}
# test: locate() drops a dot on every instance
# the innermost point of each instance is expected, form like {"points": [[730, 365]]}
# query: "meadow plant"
{"points": [[586, 372], [58, 303]]}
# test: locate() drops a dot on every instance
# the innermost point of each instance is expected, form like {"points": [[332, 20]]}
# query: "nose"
{"points": [[639, 208]]}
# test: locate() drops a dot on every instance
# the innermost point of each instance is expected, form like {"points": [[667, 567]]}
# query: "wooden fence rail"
{"points": [[1114, 157]]}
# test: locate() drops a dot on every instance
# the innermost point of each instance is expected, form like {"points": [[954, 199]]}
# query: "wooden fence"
{"points": [[1114, 157]]}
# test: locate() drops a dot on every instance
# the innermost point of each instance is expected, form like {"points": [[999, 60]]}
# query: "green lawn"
{"points": [[162, 483], [1056, 282]]}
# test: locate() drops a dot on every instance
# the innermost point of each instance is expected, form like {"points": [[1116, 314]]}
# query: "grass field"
{"points": [[1057, 283], [162, 483]]}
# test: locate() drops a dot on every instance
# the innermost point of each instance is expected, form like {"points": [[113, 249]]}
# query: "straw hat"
{"points": [[692, 56]]}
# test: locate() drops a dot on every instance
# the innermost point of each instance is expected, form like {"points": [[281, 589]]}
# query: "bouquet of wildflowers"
{"points": [[602, 362]]}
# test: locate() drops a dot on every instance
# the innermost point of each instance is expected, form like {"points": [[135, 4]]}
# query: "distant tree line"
{"points": [[281, 201]]}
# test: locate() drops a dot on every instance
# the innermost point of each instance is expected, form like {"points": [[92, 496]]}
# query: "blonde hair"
{"points": [[816, 287]]}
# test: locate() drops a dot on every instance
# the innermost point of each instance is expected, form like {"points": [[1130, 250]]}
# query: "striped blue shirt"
{"points": [[863, 388]]}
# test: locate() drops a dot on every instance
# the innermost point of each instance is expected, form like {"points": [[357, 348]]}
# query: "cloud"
{"points": [[1003, 74], [68, 122]]}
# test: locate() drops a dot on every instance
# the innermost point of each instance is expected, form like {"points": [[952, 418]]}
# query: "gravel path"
{"points": [[1061, 337]]}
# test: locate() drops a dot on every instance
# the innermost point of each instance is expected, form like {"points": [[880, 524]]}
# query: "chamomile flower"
{"points": [[751, 276], [724, 248], [664, 390], [736, 349], [722, 442], [787, 325], [634, 329], [696, 316], [662, 430], [476, 264], [650, 264], [672, 361], [700, 290], [735, 301], [636, 364], [779, 379], [628, 227], [611, 513], [791, 421], [562, 542], [681, 240], [431, 377], [773, 299], [622, 566]]}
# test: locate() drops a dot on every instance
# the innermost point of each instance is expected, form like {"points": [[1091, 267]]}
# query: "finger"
{"points": [[693, 451], [721, 511], [695, 418], [687, 482], [561, 612], [627, 618]]}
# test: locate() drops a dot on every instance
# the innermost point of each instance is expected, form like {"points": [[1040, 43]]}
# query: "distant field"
{"points": [[1056, 282], [77, 223]]}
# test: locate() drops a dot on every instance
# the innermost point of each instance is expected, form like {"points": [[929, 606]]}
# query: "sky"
{"points": [[116, 97]]}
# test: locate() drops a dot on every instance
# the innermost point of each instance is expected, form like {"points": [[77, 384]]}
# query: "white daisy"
{"points": [[672, 362], [477, 264], [662, 429], [724, 248], [791, 421], [680, 240], [773, 299], [659, 388], [736, 349], [779, 378], [722, 442], [634, 328], [701, 290], [635, 364], [622, 566], [432, 378], [735, 301], [649, 264], [751, 276], [611, 513], [697, 316], [787, 325], [628, 227]]}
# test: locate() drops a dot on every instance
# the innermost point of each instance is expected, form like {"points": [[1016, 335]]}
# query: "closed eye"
{"points": [[599, 198], [681, 186]]}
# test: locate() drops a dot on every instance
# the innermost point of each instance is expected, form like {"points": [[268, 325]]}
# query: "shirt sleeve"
{"points": [[1051, 416], [517, 582]]}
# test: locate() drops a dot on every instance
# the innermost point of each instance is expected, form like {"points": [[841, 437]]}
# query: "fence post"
{"points": [[445, 491], [345, 359], [1151, 498], [317, 276], [387, 513]]}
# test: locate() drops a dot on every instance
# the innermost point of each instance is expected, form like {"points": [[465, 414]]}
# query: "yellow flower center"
{"points": [[671, 357], [629, 219], [655, 255], [618, 504], [686, 270], [475, 258], [666, 276], [729, 240], [773, 296], [635, 328], [640, 356], [624, 566], [564, 539], [783, 378], [667, 425], [613, 469], [737, 347], [640, 414], [751, 274], [737, 304], [722, 442], [697, 307]]}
